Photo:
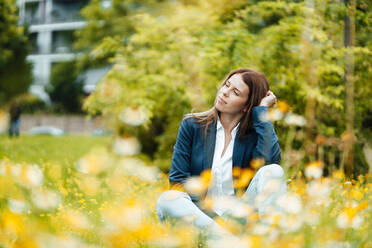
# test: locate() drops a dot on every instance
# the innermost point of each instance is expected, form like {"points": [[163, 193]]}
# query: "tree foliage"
{"points": [[15, 72], [175, 58], [65, 89]]}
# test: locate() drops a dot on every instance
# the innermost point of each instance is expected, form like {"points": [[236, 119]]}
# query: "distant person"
{"points": [[15, 114]]}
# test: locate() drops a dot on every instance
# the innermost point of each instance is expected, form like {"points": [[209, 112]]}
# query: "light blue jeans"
{"points": [[267, 185]]}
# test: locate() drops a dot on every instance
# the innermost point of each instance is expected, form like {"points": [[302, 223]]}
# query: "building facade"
{"points": [[51, 26]]}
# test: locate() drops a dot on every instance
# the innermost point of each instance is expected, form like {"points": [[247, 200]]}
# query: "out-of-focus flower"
{"points": [[346, 136], [257, 163], [335, 244], [134, 116], [28, 176], [182, 236], [45, 199], [46, 240], [233, 206], [17, 206], [349, 218], [16, 170], [126, 146], [291, 203], [3, 121], [291, 223], [311, 217], [282, 106], [314, 169], [320, 140], [75, 220], [228, 241], [196, 185], [93, 163], [115, 181], [89, 184], [12, 223], [133, 217], [261, 229], [356, 194], [361, 206], [293, 119], [166, 242], [5, 168], [319, 188], [338, 174], [243, 177], [135, 167], [129, 215], [272, 115]]}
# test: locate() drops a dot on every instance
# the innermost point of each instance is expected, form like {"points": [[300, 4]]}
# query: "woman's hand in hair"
{"points": [[269, 100]]}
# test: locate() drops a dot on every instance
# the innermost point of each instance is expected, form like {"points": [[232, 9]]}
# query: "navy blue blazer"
{"points": [[192, 154]]}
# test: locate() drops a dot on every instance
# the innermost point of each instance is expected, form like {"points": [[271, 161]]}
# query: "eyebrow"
{"points": [[235, 87]]}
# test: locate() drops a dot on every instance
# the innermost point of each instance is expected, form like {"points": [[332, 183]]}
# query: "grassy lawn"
{"points": [[44, 149]]}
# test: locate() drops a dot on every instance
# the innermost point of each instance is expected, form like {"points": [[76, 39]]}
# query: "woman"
{"points": [[229, 136]]}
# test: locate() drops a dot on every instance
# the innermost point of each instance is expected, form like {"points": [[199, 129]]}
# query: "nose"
{"points": [[225, 91]]}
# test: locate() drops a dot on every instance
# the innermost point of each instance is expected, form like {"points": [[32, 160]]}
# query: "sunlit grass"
{"points": [[44, 148]]}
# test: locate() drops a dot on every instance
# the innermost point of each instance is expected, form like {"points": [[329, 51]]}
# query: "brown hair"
{"points": [[258, 87]]}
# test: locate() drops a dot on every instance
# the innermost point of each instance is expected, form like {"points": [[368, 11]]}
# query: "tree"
{"points": [[66, 90], [182, 55], [15, 72]]}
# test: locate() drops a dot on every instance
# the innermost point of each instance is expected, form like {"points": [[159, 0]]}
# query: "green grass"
{"points": [[45, 149]]}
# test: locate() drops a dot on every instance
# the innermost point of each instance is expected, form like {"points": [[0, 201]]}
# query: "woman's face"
{"points": [[232, 96]]}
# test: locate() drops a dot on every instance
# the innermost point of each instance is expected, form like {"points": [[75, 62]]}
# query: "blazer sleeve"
{"points": [[267, 146], [181, 159]]}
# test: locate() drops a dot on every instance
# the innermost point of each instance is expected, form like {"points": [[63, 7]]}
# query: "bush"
{"points": [[31, 104]]}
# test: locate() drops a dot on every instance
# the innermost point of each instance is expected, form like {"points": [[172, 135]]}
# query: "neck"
{"points": [[229, 121]]}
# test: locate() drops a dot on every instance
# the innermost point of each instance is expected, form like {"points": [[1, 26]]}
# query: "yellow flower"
{"points": [[356, 194], [257, 163], [283, 106], [314, 169], [12, 223], [244, 178]]}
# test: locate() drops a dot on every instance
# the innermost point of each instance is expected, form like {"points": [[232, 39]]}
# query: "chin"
{"points": [[217, 107]]}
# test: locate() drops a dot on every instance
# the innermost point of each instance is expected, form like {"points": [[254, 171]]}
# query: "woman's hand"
{"points": [[269, 100]]}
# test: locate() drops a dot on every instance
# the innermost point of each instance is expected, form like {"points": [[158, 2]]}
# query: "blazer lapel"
{"points": [[209, 144], [238, 152]]}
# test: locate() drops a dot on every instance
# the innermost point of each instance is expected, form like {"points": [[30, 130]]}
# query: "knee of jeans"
{"points": [[272, 170], [167, 199]]}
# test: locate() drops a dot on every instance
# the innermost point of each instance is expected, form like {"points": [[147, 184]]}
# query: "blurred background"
{"points": [[64, 59], [100, 84]]}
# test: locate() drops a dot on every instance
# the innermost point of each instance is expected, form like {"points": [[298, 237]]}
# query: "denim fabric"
{"points": [[267, 185]]}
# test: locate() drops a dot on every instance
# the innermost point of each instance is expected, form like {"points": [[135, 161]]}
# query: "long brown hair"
{"points": [[258, 87]]}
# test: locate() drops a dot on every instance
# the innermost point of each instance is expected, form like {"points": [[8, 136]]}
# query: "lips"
{"points": [[221, 100]]}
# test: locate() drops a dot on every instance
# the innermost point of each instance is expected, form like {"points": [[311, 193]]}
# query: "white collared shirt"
{"points": [[222, 182]]}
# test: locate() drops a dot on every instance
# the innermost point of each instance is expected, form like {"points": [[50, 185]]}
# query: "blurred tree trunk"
{"points": [[349, 37], [310, 128], [312, 81]]}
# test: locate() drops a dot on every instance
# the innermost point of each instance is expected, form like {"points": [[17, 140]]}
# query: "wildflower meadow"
{"points": [[101, 193]]}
